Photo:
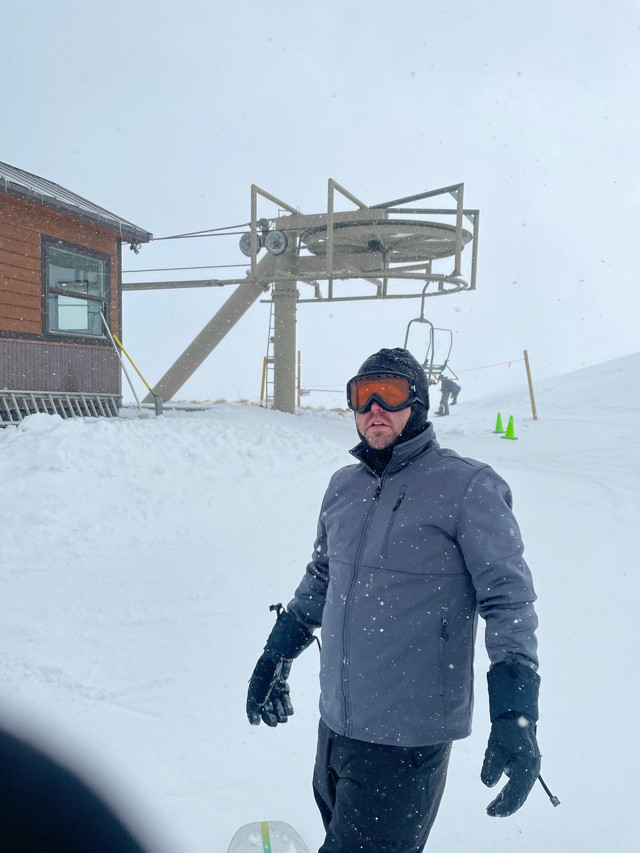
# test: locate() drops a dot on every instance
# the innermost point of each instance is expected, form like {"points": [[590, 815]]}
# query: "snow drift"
{"points": [[138, 558]]}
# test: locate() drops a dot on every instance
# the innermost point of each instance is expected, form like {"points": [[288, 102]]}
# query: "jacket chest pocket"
{"points": [[396, 517], [415, 538]]}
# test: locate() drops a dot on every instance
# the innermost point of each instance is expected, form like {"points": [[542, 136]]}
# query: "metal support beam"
{"points": [[285, 296], [222, 322], [179, 285]]}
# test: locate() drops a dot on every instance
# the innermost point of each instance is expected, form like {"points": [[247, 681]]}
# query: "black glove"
{"points": [[268, 697], [513, 748]]}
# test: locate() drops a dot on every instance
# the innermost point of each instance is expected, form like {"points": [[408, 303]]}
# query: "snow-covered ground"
{"points": [[138, 558]]}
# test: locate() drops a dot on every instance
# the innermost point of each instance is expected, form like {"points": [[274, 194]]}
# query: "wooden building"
{"points": [[60, 282]]}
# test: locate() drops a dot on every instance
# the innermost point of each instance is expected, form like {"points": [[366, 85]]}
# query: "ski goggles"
{"points": [[392, 392]]}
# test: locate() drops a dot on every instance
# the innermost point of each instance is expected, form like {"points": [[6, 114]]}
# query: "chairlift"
{"points": [[438, 349]]}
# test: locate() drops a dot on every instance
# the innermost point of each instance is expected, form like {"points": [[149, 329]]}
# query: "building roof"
{"points": [[30, 187]]}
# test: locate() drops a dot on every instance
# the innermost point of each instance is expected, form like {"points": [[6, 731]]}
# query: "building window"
{"points": [[77, 289]]}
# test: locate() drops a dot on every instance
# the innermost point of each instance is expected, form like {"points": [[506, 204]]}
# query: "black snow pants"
{"points": [[375, 798]]}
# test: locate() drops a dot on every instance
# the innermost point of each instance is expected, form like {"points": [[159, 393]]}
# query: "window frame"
{"points": [[65, 335]]}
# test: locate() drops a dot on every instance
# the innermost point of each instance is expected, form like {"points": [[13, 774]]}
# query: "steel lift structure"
{"points": [[391, 242]]}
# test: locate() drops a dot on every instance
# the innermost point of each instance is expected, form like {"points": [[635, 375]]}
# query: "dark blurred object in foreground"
{"points": [[47, 808]]}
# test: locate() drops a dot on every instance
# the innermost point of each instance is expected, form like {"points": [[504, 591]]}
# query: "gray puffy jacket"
{"points": [[402, 565]]}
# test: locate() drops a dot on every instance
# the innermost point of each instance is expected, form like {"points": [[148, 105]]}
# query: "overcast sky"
{"points": [[166, 113]]}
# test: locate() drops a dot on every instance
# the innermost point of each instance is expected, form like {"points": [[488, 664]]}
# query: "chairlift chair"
{"points": [[440, 343]]}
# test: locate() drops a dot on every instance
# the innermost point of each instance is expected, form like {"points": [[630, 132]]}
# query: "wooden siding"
{"points": [[31, 359], [21, 225], [27, 365]]}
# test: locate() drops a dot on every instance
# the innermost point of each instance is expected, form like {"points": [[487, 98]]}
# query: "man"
{"points": [[413, 542], [448, 389]]}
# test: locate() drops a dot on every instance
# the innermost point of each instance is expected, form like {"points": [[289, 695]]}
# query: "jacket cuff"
{"points": [[288, 637], [513, 686]]}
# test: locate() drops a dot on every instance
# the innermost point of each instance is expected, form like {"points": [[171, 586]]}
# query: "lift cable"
{"points": [[207, 232], [466, 370], [486, 366]]}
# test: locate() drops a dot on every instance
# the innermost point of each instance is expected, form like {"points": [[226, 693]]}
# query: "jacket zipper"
{"points": [[444, 636], [348, 722]]}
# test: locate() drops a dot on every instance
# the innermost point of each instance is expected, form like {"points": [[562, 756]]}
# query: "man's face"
{"points": [[380, 428]]}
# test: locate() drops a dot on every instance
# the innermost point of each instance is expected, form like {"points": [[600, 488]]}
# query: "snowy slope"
{"points": [[138, 558]]}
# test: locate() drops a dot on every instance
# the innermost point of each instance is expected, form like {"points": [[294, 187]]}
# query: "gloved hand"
{"points": [[268, 696], [513, 750], [513, 747]]}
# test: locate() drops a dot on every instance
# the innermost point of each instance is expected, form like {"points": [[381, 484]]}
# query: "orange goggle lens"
{"points": [[392, 392]]}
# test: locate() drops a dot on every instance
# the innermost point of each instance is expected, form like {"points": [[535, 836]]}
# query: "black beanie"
{"points": [[399, 361]]}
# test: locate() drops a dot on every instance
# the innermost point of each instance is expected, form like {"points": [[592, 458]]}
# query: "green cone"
{"points": [[510, 433]]}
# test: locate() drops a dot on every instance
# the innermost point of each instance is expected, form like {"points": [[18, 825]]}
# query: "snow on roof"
{"points": [[21, 184]]}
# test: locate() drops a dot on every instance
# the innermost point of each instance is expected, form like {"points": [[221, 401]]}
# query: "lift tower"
{"points": [[377, 244]]}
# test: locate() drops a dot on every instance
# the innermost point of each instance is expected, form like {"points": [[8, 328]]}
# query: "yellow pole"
{"points": [[115, 337], [533, 399]]}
